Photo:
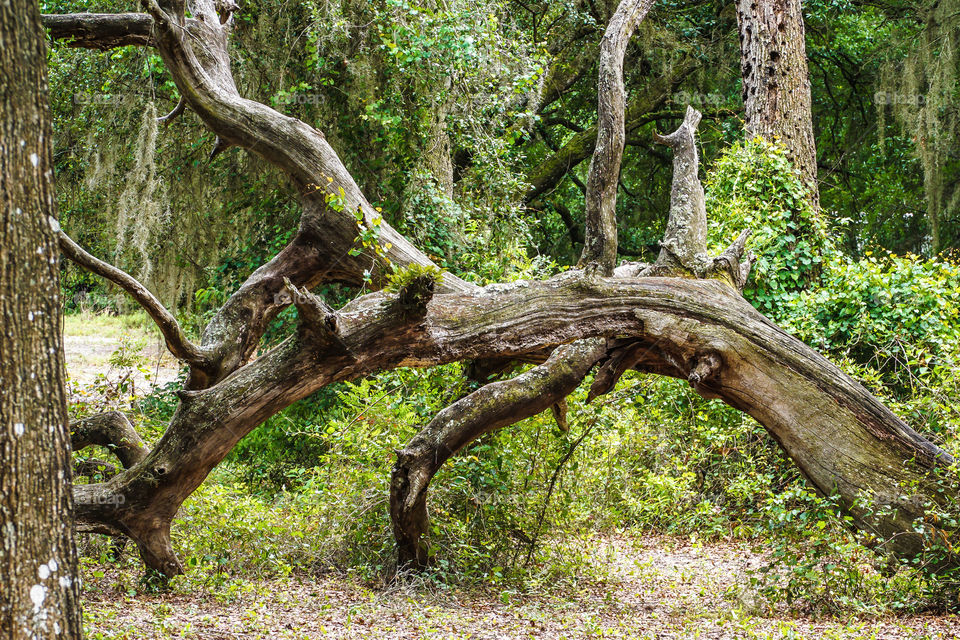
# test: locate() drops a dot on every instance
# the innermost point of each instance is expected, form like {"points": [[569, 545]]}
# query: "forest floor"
{"points": [[637, 586], [654, 587]]}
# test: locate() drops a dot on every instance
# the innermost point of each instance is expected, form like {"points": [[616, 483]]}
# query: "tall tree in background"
{"points": [[38, 569], [776, 82]]}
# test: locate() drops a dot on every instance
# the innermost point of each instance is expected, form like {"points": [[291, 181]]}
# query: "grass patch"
{"points": [[101, 325]]}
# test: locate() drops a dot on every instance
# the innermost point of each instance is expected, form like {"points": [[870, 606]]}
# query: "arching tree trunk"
{"points": [[492, 407], [776, 81], [38, 566]]}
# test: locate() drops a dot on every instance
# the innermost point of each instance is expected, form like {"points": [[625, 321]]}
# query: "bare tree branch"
{"points": [[684, 245], [195, 51], [177, 110], [600, 216], [177, 342], [113, 431]]}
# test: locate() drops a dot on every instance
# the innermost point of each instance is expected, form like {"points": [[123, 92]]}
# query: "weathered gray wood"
{"points": [[101, 31], [684, 245], [840, 436], [600, 227]]}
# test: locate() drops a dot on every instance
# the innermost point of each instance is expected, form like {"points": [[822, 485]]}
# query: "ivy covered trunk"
{"points": [[776, 82]]}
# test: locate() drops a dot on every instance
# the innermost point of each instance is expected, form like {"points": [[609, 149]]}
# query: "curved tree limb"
{"points": [[494, 406], [113, 431], [101, 31], [195, 51], [293, 146], [841, 437], [600, 225], [177, 341], [177, 110]]}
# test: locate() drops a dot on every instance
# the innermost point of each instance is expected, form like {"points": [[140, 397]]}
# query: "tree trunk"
{"points": [[600, 242], [38, 566], [776, 82]]}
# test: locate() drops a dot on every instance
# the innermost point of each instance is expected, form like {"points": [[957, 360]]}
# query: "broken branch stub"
{"points": [[683, 250], [684, 245]]}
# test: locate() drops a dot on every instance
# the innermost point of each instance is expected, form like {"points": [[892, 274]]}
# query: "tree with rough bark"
{"points": [[776, 81], [38, 567], [682, 316]]}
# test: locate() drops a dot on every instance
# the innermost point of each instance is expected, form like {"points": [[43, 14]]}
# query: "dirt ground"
{"points": [[89, 344], [657, 588]]}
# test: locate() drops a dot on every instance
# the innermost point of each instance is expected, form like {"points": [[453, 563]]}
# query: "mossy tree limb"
{"points": [[494, 406]]}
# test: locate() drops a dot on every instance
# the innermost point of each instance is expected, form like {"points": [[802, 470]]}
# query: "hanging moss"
{"points": [[921, 92], [140, 208]]}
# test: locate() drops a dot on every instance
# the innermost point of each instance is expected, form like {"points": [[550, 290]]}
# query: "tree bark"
{"points": [[38, 565], [101, 31], [600, 229], [839, 435], [684, 245], [776, 82], [111, 430]]}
